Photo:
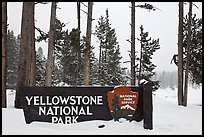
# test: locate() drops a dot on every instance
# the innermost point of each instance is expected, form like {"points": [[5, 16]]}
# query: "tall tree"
{"points": [[93, 68], [31, 55], [101, 32], [51, 43], [188, 56], [133, 72], [67, 53], [78, 14], [26, 67], [69, 57], [88, 45], [148, 47], [195, 60], [4, 33], [59, 43], [194, 54], [40, 67], [79, 31], [110, 71], [132, 55], [12, 59], [180, 55]]}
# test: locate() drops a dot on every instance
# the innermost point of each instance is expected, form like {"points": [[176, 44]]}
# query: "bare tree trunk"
{"points": [[180, 55], [99, 63], [26, 67], [21, 76], [4, 37], [78, 52], [33, 52], [78, 14], [140, 68], [88, 46], [30, 80], [50, 57], [188, 55], [133, 43]]}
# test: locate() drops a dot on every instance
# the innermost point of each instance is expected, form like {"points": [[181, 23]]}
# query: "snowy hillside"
{"points": [[168, 119]]}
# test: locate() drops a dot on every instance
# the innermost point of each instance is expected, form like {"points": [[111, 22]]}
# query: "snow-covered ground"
{"points": [[168, 119]]}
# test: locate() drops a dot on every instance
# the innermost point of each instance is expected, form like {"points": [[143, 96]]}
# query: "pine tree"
{"points": [[192, 52], [60, 35], [13, 44], [195, 64], [69, 57], [40, 67], [110, 71], [100, 33], [148, 47], [93, 65], [93, 68]]}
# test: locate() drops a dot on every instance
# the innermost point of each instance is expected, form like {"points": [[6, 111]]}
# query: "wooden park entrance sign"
{"points": [[76, 104]]}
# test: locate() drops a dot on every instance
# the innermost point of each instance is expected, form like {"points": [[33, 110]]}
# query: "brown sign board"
{"points": [[68, 105]]}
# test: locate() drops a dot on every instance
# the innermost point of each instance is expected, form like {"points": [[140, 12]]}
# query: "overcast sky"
{"points": [[162, 24]]}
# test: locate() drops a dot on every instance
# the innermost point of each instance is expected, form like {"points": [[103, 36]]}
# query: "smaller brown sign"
{"points": [[122, 102]]}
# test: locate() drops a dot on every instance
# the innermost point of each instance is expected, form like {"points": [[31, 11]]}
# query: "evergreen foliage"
{"points": [[68, 59], [109, 70], [93, 68], [148, 7], [195, 65], [148, 47], [12, 59], [40, 67], [69, 56]]}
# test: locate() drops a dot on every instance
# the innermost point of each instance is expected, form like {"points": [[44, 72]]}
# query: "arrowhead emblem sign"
{"points": [[122, 102]]}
